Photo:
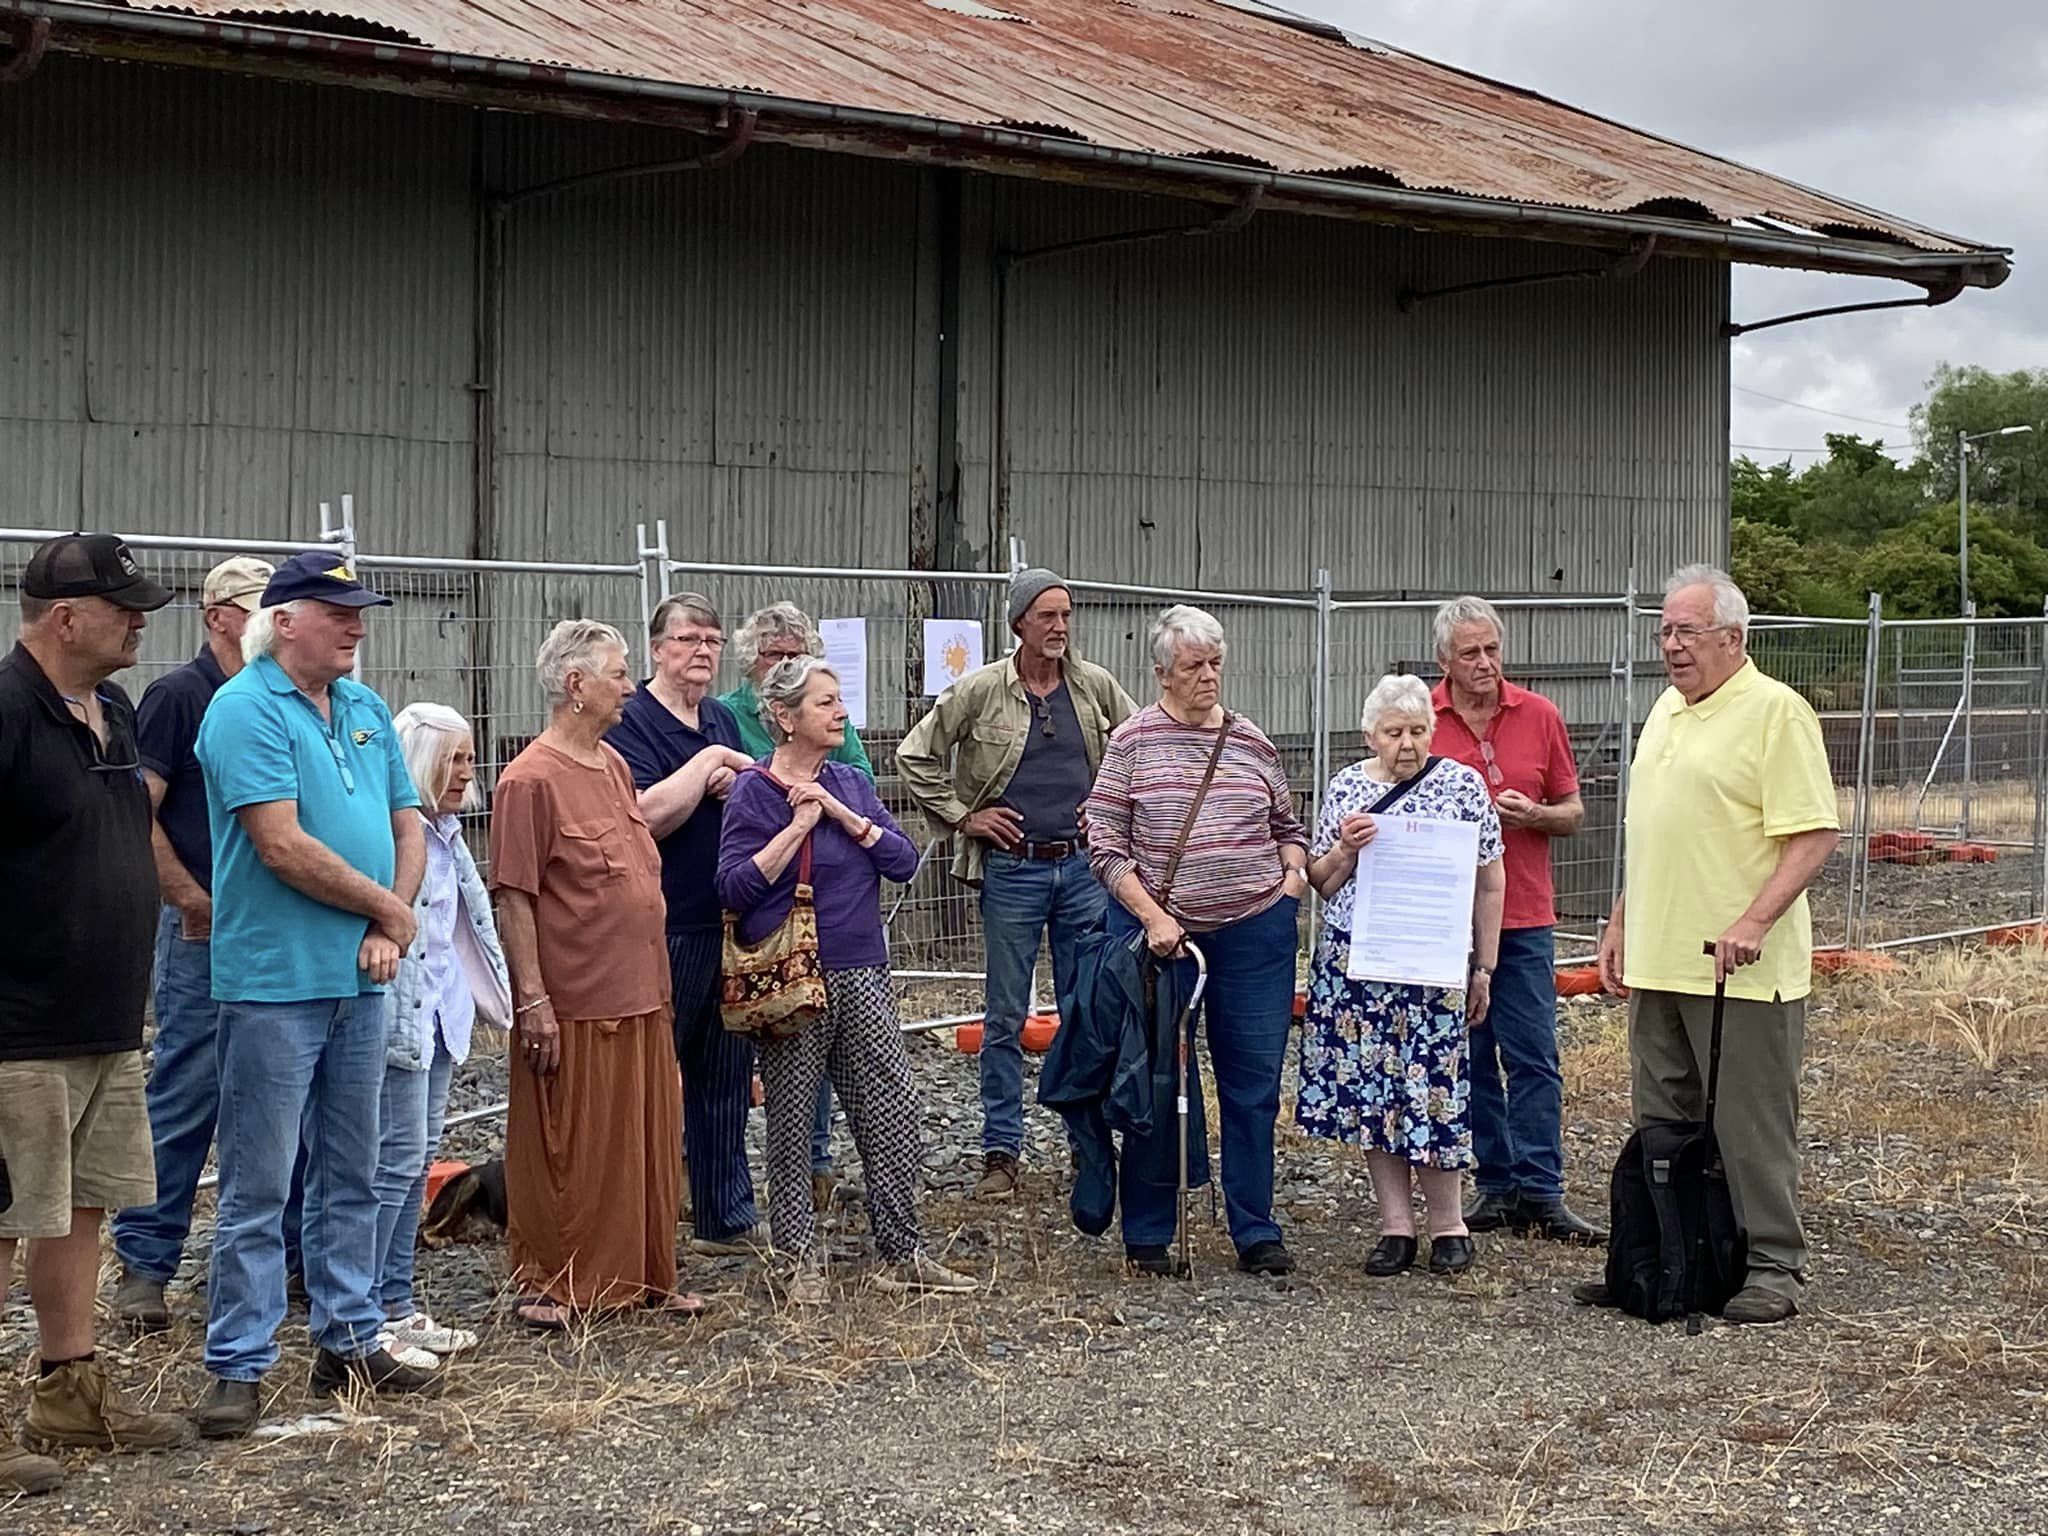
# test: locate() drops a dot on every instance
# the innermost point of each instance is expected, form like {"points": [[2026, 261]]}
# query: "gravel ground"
{"points": [[1908, 1397]]}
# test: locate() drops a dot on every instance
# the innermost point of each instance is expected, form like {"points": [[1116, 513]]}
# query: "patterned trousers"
{"points": [[859, 1045]]}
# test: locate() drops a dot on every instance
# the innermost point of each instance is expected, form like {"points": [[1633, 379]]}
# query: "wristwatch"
{"points": [[1482, 970]]}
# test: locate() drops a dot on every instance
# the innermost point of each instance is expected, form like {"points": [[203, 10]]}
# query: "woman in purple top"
{"points": [[795, 795]]}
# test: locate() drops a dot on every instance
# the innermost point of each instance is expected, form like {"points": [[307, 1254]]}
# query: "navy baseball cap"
{"points": [[324, 576], [91, 565]]}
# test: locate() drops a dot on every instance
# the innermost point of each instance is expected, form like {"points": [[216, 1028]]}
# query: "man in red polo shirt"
{"points": [[1517, 743]]}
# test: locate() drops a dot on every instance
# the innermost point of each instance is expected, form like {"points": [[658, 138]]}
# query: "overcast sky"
{"points": [[1938, 113]]}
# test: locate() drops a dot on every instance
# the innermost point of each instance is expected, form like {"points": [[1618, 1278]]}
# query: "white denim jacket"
{"points": [[408, 1026]]}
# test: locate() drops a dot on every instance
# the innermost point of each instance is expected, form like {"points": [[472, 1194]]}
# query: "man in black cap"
{"points": [[1001, 765], [317, 856], [78, 898]]}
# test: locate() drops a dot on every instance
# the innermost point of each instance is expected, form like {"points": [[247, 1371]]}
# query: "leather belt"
{"points": [[1060, 850]]}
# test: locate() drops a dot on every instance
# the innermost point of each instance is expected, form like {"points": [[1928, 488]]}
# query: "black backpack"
{"points": [[1675, 1247]]}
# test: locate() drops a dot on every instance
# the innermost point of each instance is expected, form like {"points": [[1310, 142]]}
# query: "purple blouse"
{"points": [[846, 879]]}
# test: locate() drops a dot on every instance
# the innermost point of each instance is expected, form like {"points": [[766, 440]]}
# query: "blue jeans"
{"points": [[1248, 1009], [184, 1100], [414, 1108], [1020, 900], [289, 1072], [821, 1130], [1519, 1135], [718, 1091]]}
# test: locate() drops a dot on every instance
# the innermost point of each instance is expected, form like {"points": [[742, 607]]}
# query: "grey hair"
{"points": [[1731, 608], [769, 623], [573, 645], [785, 685], [1184, 625], [427, 737], [259, 637], [1464, 610], [691, 605], [1398, 693]]}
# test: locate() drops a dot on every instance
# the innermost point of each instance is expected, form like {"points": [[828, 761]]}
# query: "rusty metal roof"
{"points": [[1233, 84]]}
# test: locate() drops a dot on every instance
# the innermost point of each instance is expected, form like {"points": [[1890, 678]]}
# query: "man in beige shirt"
{"points": [[1001, 765]]}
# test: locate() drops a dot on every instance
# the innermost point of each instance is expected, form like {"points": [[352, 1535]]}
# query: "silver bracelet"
{"points": [[538, 1002]]}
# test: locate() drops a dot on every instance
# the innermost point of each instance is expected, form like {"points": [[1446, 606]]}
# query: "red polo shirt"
{"points": [[1531, 753]]}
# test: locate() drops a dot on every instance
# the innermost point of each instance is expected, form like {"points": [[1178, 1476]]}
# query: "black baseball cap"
{"points": [[324, 576], [91, 565]]}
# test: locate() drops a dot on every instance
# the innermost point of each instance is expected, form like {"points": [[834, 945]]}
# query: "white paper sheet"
{"points": [[1411, 908], [952, 649], [846, 648]]}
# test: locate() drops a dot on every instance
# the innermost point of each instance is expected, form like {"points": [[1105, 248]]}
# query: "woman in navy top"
{"points": [[793, 796]]}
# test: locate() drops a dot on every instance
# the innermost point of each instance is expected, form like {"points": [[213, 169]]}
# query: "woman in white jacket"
{"points": [[451, 979]]}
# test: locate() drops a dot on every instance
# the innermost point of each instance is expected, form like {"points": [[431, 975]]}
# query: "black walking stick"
{"points": [[1701, 1241], [1183, 1034]]}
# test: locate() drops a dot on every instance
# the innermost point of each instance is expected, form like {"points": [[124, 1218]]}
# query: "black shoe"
{"points": [[1270, 1258], [1450, 1255], [1390, 1256], [1153, 1259], [229, 1410], [377, 1372], [1558, 1222], [1489, 1212], [1593, 1293]]}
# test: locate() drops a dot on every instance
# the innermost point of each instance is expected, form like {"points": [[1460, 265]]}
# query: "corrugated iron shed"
{"points": [[1234, 85]]}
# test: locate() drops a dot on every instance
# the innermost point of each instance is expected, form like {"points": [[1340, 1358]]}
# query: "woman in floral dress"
{"points": [[1384, 1065]]}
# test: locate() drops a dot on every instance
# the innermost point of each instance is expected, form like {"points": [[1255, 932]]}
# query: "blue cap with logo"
{"points": [[324, 576]]}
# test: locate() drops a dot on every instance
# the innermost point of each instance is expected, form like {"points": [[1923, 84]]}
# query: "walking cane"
{"points": [[1699, 1241], [1183, 1038]]}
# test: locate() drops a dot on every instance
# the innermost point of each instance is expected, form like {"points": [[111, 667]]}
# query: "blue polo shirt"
{"points": [[263, 740], [655, 744], [166, 728]]}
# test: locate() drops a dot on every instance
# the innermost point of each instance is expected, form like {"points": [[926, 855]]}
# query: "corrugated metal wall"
{"points": [[230, 298]]}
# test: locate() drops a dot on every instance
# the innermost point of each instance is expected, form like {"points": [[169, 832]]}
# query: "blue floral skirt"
{"points": [[1383, 1066]]}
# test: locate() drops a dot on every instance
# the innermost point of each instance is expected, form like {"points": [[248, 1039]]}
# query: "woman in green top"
{"points": [[775, 634]]}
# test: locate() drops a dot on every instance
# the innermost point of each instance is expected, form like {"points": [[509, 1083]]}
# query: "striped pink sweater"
{"points": [[1150, 771]]}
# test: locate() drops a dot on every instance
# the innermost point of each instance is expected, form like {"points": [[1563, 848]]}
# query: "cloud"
{"points": [[1938, 117]]}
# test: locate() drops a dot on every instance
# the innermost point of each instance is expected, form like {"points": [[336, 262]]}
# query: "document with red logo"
{"points": [[1411, 903]]}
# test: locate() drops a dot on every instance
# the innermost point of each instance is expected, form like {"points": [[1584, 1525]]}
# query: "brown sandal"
{"points": [[679, 1304], [528, 1310]]}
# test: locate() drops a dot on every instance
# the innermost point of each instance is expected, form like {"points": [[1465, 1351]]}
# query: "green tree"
{"points": [[1764, 496], [1856, 493], [2012, 471]]}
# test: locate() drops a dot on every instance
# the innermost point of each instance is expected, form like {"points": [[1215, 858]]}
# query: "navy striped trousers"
{"points": [[718, 1091]]}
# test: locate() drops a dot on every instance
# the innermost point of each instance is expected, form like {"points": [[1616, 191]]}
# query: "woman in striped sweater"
{"points": [[1218, 856]]}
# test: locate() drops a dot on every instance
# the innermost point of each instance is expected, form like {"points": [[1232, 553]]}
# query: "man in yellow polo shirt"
{"points": [[1731, 813]]}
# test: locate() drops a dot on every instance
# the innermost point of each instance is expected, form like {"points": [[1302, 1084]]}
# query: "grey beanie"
{"points": [[1026, 587]]}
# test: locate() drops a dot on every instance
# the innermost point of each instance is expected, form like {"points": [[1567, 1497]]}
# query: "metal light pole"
{"points": [[1969, 609]]}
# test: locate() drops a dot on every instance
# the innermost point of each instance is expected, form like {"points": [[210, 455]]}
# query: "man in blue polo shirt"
{"points": [[184, 1084], [316, 860], [683, 747]]}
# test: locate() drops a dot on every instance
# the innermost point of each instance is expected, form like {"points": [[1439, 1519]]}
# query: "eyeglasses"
{"points": [[1686, 634], [1493, 774], [712, 643], [348, 778], [134, 764], [1043, 708]]}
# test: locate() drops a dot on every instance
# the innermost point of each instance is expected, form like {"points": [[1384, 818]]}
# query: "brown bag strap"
{"points": [[1180, 844]]}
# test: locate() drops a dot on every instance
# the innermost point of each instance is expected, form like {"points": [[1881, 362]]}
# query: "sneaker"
{"points": [[807, 1287], [752, 1243], [998, 1176], [139, 1302], [406, 1354], [1754, 1304], [76, 1405], [923, 1273], [421, 1332], [23, 1471], [229, 1410], [376, 1372]]}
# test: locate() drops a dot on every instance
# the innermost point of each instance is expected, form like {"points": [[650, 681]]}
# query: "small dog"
{"points": [[470, 1207]]}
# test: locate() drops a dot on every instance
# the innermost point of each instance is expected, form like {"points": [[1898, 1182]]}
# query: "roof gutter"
{"points": [[166, 37]]}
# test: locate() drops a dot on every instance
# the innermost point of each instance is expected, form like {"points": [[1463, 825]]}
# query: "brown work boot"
{"points": [[24, 1471], [824, 1185], [76, 1405], [998, 1176], [139, 1302]]}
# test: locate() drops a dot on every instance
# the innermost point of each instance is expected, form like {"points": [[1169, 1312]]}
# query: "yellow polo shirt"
{"points": [[1712, 789]]}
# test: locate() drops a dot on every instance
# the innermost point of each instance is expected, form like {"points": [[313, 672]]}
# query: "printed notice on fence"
{"points": [[1411, 909], [846, 648], [952, 649]]}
